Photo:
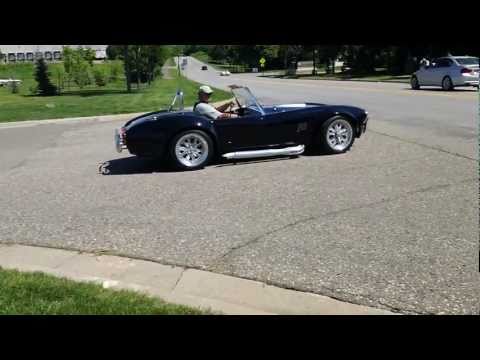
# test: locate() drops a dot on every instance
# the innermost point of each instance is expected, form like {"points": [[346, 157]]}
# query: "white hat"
{"points": [[206, 89]]}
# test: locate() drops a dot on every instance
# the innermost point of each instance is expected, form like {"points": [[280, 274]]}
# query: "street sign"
{"points": [[262, 61]]}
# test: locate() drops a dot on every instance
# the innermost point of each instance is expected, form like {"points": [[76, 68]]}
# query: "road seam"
{"points": [[423, 145], [257, 239], [179, 278]]}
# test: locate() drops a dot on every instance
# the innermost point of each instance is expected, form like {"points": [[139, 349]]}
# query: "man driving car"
{"points": [[204, 108]]}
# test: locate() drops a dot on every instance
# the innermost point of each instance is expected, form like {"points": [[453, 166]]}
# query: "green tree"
{"points": [[45, 87], [155, 58], [327, 55], [114, 52], [78, 65], [362, 59], [141, 61]]}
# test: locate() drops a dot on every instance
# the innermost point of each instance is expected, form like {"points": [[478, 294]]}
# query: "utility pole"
{"points": [[127, 67], [178, 64]]}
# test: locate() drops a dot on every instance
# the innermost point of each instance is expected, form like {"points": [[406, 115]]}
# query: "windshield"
{"points": [[467, 61], [245, 98]]}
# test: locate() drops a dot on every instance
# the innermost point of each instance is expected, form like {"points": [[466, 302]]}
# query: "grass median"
{"points": [[91, 100], [34, 293], [341, 76]]}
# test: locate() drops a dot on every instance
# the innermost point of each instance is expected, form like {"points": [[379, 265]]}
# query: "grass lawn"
{"points": [[91, 100], [39, 294], [170, 62], [373, 77], [380, 76]]}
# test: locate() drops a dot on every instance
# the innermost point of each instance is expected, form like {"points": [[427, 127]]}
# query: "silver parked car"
{"points": [[447, 72]]}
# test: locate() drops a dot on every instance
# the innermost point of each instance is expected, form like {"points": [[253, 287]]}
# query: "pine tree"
{"points": [[45, 87]]}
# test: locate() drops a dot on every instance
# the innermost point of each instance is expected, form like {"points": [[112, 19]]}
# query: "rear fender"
{"points": [[209, 129]]}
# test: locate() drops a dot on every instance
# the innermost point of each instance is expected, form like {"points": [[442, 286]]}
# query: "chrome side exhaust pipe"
{"points": [[289, 151]]}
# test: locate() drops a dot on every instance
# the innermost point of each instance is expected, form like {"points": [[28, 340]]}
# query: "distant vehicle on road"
{"points": [[190, 140], [204, 67], [448, 72], [225, 73]]}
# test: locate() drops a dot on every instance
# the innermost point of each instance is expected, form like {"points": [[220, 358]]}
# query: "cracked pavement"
{"points": [[391, 224]]}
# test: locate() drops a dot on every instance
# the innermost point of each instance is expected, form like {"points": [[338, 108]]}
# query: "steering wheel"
{"points": [[232, 110], [230, 107]]}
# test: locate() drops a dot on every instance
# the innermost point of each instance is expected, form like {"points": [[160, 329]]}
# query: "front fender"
{"points": [[355, 115]]}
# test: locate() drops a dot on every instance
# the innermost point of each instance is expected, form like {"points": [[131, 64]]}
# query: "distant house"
{"points": [[51, 53]]}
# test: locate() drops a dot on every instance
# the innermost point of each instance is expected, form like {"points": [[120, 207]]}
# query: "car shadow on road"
{"points": [[223, 162], [132, 165], [135, 165]]}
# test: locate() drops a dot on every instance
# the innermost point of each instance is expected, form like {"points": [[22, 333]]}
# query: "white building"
{"points": [[28, 53]]}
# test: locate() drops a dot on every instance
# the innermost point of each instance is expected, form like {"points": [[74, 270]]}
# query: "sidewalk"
{"points": [[201, 289]]}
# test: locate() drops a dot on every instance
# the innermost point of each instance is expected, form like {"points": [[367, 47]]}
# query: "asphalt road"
{"points": [[393, 223]]}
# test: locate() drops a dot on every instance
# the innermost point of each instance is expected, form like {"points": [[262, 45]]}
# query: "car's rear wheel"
{"points": [[447, 83], [336, 135], [414, 83], [191, 150]]}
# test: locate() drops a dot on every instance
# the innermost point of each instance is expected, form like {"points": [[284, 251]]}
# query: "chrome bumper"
{"points": [[119, 145]]}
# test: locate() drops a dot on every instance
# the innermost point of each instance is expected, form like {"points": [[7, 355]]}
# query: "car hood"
{"points": [[309, 106]]}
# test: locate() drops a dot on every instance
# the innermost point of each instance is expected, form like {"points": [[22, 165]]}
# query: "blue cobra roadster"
{"points": [[190, 141]]}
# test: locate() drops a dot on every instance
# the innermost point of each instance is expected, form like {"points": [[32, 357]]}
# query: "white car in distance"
{"points": [[448, 72], [225, 73]]}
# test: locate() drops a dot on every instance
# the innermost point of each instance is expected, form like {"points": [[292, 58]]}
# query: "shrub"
{"points": [[116, 69], [60, 76], [100, 77], [14, 87], [33, 90], [45, 87]]}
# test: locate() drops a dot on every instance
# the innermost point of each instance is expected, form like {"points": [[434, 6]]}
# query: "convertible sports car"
{"points": [[190, 140]]}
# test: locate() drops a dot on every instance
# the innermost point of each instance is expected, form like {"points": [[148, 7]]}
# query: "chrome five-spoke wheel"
{"points": [[337, 135], [192, 149]]}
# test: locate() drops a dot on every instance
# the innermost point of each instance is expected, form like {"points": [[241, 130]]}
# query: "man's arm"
{"points": [[224, 107], [226, 116]]}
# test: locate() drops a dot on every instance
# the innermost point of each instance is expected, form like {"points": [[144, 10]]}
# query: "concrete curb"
{"points": [[98, 118], [201, 289]]}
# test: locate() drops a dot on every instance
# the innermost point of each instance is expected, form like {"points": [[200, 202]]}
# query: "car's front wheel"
{"points": [[336, 135], [414, 83], [447, 83], [191, 150]]}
